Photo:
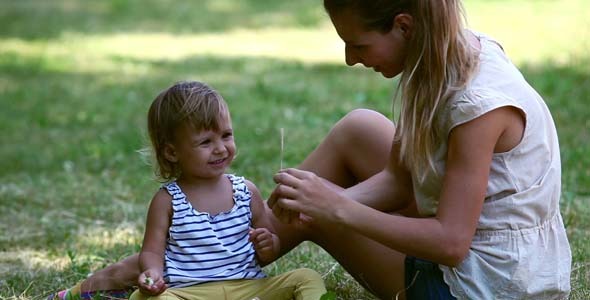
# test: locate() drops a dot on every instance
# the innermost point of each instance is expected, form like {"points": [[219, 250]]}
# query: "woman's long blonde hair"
{"points": [[439, 63]]}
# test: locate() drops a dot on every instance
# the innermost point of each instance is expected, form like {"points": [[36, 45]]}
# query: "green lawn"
{"points": [[76, 79]]}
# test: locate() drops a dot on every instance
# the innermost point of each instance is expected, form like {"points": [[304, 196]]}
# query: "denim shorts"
{"points": [[424, 280]]}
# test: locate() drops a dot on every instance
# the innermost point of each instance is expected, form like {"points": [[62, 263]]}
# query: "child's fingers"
{"points": [[142, 280], [156, 288], [253, 234], [260, 239], [257, 233], [159, 286], [263, 243], [151, 283]]}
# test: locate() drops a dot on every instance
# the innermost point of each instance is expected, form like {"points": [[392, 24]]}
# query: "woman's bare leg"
{"points": [[356, 148], [379, 269]]}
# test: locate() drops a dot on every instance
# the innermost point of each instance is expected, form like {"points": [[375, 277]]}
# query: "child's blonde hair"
{"points": [[191, 102], [440, 62]]}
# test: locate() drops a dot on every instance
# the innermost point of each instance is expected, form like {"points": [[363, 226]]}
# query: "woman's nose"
{"points": [[350, 57]]}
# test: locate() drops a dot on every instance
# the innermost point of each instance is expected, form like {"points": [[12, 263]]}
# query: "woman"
{"points": [[475, 151], [460, 200]]}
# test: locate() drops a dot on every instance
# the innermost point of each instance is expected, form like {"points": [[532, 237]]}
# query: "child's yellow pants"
{"points": [[299, 284]]}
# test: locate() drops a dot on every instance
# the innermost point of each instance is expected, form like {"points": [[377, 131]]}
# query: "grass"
{"points": [[76, 79]]}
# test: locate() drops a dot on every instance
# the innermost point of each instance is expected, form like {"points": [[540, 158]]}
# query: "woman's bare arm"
{"points": [[444, 238]]}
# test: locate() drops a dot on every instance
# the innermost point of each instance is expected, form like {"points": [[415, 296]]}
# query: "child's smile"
{"points": [[204, 153]]}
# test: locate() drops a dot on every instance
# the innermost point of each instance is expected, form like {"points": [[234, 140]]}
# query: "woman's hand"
{"points": [[301, 195], [283, 214], [151, 283]]}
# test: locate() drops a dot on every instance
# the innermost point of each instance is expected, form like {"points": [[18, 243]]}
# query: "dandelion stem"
{"points": [[282, 145]]}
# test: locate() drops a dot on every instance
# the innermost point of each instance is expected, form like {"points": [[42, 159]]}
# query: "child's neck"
{"points": [[201, 183], [210, 195]]}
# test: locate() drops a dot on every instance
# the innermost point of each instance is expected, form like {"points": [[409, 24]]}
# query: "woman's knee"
{"points": [[362, 124], [362, 140], [361, 120]]}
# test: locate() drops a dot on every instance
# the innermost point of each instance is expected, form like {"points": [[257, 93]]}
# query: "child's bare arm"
{"points": [[151, 257], [266, 242]]}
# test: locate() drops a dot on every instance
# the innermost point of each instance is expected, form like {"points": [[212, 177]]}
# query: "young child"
{"points": [[206, 231]]}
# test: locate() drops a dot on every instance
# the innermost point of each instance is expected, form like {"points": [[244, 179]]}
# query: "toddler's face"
{"points": [[203, 154]]}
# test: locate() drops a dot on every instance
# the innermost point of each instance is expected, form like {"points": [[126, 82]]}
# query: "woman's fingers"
{"points": [[279, 212], [282, 213], [284, 199], [284, 178], [290, 205], [286, 191], [285, 215], [291, 177], [278, 192], [297, 173]]}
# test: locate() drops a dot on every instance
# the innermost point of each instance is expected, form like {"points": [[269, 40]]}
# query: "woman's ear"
{"points": [[404, 23], [170, 153]]}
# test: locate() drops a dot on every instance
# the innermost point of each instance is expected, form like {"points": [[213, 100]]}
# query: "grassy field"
{"points": [[76, 79]]}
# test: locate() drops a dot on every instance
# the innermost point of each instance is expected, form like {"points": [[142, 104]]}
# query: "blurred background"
{"points": [[77, 77]]}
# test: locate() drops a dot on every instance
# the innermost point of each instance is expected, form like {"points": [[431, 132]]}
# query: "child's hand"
{"points": [[151, 283], [266, 244]]}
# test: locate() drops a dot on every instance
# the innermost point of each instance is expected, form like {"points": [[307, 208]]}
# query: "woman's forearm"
{"points": [[382, 192], [426, 238]]}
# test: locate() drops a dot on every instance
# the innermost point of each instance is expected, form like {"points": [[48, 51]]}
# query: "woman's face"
{"points": [[384, 52]]}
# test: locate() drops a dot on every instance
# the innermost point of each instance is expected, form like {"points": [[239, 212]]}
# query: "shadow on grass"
{"points": [[32, 19]]}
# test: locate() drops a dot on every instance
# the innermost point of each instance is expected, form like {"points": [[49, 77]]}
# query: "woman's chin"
{"points": [[387, 74], [383, 73]]}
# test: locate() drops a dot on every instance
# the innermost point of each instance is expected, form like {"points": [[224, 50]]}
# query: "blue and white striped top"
{"points": [[203, 248]]}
